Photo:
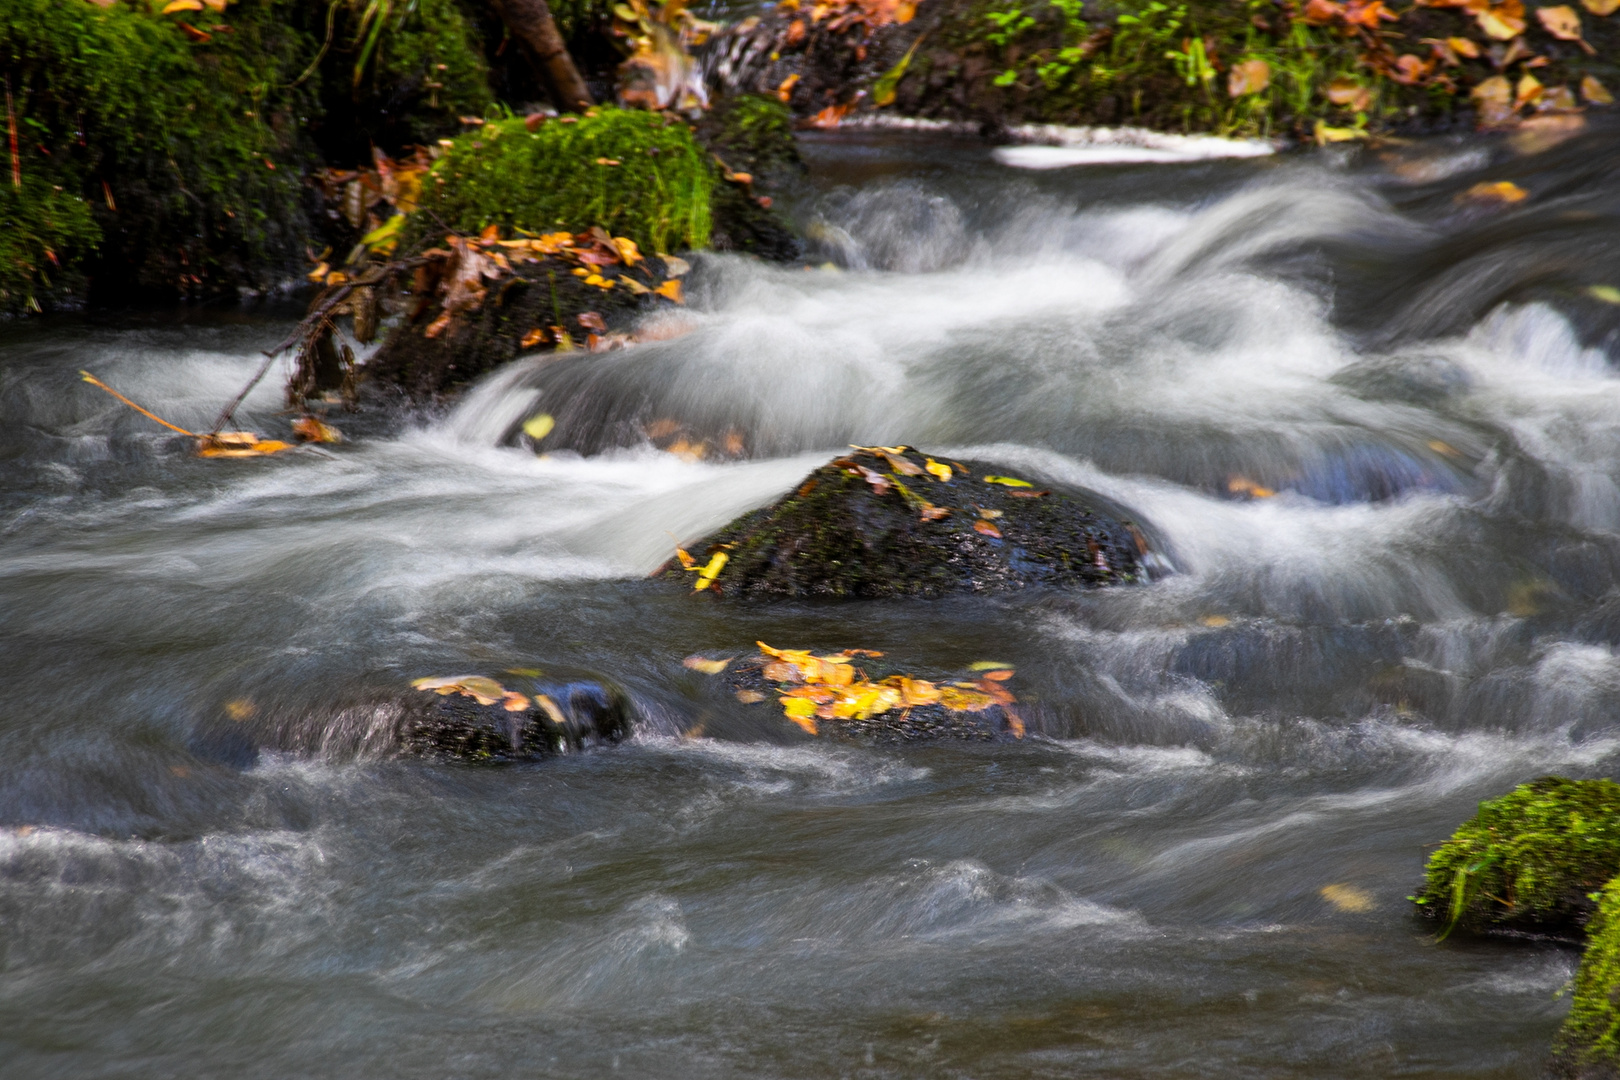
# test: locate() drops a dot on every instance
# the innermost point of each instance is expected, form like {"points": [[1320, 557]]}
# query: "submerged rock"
{"points": [[892, 521], [1529, 861], [457, 718]]}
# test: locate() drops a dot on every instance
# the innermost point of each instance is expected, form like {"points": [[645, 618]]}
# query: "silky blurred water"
{"points": [[1196, 863]]}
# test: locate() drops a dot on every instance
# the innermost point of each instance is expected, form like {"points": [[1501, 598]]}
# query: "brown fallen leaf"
{"points": [[309, 429], [982, 526], [1349, 93], [935, 513], [750, 697], [1594, 91], [512, 701], [534, 337], [590, 320], [706, 666], [1248, 77], [1494, 97]]}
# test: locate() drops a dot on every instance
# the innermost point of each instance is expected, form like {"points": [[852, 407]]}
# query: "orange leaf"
{"points": [[671, 290], [1561, 22], [1595, 92], [982, 526], [1248, 77], [310, 429], [1503, 191], [1601, 7]]}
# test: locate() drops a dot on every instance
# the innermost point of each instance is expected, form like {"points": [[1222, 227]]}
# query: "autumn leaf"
{"points": [[903, 466], [982, 526], [801, 711], [484, 690], [1349, 93], [988, 665], [940, 472], [1503, 21], [884, 90], [549, 707], [1595, 92], [310, 429], [1528, 92], [1502, 191], [512, 701], [706, 666], [750, 697], [1494, 96], [1561, 22], [1248, 77], [591, 320], [534, 337], [182, 5], [935, 513], [671, 290], [539, 426], [1601, 7], [238, 444], [1008, 481], [710, 571]]}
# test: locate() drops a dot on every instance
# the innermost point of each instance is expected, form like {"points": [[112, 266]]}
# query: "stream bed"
{"points": [[1373, 420]]}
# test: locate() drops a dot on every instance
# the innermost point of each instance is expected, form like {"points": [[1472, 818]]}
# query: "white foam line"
{"points": [[1056, 146]]}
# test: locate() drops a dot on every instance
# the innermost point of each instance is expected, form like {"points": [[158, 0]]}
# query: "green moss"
{"points": [[1591, 1034], [657, 193], [428, 70], [1527, 860], [165, 163]]}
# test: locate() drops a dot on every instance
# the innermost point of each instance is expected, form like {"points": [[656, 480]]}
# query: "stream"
{"points": [[1372, 421]]}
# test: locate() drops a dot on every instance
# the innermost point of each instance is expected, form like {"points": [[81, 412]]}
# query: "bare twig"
{"points": [[93, 381]]}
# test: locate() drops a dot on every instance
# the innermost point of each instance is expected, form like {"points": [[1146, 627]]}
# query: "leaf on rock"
{"points": [[676, 267], [1601, 7], [1008, 481], [939, 472], [706, 666], [590, 320], [935, 513], [1561, 22], [671, 290], [983, 526], [182, 5], [549, 707], [534, 337], [480, 688], [750, 697], [539, 426], [512, 701], [710, 571], [1595, 92], [1494, 97]]}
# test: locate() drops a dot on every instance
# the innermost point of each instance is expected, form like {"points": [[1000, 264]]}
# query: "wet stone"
{"points": [[457, 726], [895, 522]]}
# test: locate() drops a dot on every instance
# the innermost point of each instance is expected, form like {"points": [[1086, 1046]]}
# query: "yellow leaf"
{"points": [[182, 5], [987, 665], [1008, 481], [514, 701], [1248, 77], [671, 290], [801, 711], [385, 237], [240, 709], [1601, 7], [1494, 97], [539, 426], [707, 575], [1465, 47], [319, 273], [1500, 25], [1325, 134], [965, 699], [1527, 92], [1561, 22], [1594, 91], [627, 250], [884, 90], [940, 472], [1348, 898], [551, 710], [1606, 293], [708, 667], [1505, 191]]}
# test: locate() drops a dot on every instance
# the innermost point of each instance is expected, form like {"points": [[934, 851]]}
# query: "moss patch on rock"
{"points": [[1528, 861], [635, 174], [882, 525], [1588, 1045], [753, 134]]}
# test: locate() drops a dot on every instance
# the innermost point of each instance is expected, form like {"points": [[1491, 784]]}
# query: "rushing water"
{"points": [[1196, 863]]}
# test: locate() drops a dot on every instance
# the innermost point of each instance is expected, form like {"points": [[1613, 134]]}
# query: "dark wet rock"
{"points": [[582, 713], [866, 525]]}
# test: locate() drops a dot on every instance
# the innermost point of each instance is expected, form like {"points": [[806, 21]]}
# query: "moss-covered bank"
{"points": [[1528, 861], [165, 154], [1171, 66]]}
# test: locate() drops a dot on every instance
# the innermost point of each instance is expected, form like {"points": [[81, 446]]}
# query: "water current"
{"points": [[1194, 865]]}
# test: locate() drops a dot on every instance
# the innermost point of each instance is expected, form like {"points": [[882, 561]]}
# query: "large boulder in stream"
{"points": [[893, 521], [481, 719]]}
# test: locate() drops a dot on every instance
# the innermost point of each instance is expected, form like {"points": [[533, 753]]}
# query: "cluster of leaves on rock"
{"points": [[812, 687]]}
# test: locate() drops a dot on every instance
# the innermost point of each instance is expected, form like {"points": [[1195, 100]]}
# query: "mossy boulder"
{"points": [[894, 521], [635, 174], [1588, 1045], [752, 134], [1529, 861]]}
